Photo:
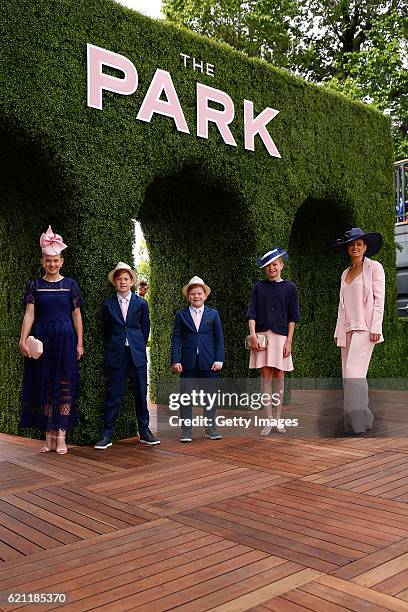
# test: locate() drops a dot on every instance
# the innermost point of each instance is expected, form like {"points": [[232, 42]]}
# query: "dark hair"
{"points": [[143, 284], [355, 240]]}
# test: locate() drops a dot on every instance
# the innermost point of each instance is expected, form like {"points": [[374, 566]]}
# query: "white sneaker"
{"points": [[186, 435]]}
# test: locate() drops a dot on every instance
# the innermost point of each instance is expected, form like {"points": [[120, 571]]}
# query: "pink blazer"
{"points": [[374, 293]]}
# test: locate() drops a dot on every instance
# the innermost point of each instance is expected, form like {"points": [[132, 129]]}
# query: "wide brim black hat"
{"points": [[373, 240]]}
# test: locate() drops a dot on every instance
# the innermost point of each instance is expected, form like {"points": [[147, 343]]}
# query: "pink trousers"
{"points": [[355, 358]]}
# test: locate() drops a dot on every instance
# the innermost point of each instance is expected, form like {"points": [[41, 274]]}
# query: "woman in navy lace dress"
{"points": [[53, 315]]}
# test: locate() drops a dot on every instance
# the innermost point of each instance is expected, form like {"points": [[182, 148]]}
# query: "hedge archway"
{"points": [[314, 267], [184, 218], [32, 194]]}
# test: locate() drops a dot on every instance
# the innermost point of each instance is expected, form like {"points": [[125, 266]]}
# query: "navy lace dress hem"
{"points": [[51, 383]]}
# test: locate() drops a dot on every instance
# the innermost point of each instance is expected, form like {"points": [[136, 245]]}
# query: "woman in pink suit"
{"points": [[359, 322]]}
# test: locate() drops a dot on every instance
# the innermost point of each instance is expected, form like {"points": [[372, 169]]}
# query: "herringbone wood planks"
{"points": [[278, 524]]}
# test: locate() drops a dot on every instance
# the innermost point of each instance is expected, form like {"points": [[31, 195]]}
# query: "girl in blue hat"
{"points": [[273, 312]]}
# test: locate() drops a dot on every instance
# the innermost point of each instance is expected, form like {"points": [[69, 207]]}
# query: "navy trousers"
{"points": [[115, 393], [198, 379]]}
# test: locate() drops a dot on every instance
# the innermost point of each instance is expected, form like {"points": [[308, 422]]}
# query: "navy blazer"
{"points": [[136, 329], [209, 339], [273, 306]]}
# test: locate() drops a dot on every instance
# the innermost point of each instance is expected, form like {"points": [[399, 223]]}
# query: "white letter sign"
{"points": [[162, 83], [213, 105], [221, 118], [258, 126], [98, 81]]}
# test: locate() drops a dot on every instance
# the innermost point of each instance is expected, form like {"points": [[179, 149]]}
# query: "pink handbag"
{"points": [[35, 347], [262, 339]]}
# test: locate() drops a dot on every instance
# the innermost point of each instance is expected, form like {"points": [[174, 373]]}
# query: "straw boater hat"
{"points": [[373, 241], [50, 243], [125, 268], [196, 280], [270, 256]]}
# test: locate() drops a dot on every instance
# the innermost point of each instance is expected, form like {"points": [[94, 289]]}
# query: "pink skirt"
{"points": [[272, 356]]}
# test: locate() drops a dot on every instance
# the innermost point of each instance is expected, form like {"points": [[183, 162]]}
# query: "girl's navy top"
{"points": [[273, 306]]}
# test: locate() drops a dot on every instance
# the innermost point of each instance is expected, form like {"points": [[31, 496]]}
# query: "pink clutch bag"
{"points": [[262, 339], [35, 347]]}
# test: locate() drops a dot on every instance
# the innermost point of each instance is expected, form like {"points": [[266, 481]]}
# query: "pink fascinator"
{"points": [[50, 243]]}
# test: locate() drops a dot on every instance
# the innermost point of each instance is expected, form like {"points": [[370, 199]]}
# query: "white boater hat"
{"points": [[196, 280], [125, 268]]}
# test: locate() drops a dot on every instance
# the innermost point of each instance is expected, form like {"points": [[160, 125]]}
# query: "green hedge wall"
{"points": [[206, 208]]}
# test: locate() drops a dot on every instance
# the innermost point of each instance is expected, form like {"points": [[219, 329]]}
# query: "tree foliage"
{"points": [[142, 261], [358, 47], [259, 28], [378, 74]]}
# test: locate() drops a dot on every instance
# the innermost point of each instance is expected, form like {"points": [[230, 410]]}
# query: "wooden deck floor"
{"points": [[279, 524]]}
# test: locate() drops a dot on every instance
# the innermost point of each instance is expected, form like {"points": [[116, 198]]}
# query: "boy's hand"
{"points": [[177, 368], [287, 348], [216, 367]]}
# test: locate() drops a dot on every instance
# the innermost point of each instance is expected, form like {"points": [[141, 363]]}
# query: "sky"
{"points": [[148, 7]]}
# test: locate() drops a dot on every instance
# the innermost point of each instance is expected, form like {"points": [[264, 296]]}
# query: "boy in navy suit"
{"points": [[197, 350], [126, 326]]}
